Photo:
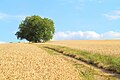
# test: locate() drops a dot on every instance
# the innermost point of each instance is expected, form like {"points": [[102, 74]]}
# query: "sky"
{"points": [[74, 19]]}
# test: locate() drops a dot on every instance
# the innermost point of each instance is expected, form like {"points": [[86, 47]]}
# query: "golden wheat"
{"points": [[106, 47], [20, 61]]}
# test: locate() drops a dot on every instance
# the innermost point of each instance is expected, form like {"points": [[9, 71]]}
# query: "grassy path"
{"points": [[86, 71], [28, 62]]}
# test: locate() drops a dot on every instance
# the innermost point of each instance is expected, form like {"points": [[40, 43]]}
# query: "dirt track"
{"points": [[28, 62]]}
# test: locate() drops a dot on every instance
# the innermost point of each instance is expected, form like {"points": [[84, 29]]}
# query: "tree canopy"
{"points": [[36, 29]]}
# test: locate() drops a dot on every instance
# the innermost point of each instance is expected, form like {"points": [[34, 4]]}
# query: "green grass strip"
{"points": [[103, 61]]}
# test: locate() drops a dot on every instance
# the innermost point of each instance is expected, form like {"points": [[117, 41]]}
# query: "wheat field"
{"points": [[23, 61], [20, 61], [106, 47]]}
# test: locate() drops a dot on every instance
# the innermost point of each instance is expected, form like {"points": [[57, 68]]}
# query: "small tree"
{"points": [[36, 29]]}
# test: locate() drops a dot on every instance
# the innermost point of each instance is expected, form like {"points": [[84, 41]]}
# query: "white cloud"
{"points": [[113, 15], [4, 16], [116, 12], [89, 35], [1, 42], [110, 35]]}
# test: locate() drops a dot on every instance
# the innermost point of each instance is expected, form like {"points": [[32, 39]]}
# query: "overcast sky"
{"points": [[74, 19]]}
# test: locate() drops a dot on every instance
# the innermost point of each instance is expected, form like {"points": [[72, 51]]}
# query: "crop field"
{"points": [[104, 47], [28, 62]]}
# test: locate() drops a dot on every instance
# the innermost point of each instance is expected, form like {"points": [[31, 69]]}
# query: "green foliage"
{"points": [[36, 29]]}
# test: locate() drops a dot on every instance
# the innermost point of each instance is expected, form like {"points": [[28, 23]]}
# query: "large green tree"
{"points": [[36, 29]]}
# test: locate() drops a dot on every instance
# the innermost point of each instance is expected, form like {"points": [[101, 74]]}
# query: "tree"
{"points": [[36, 29]]}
